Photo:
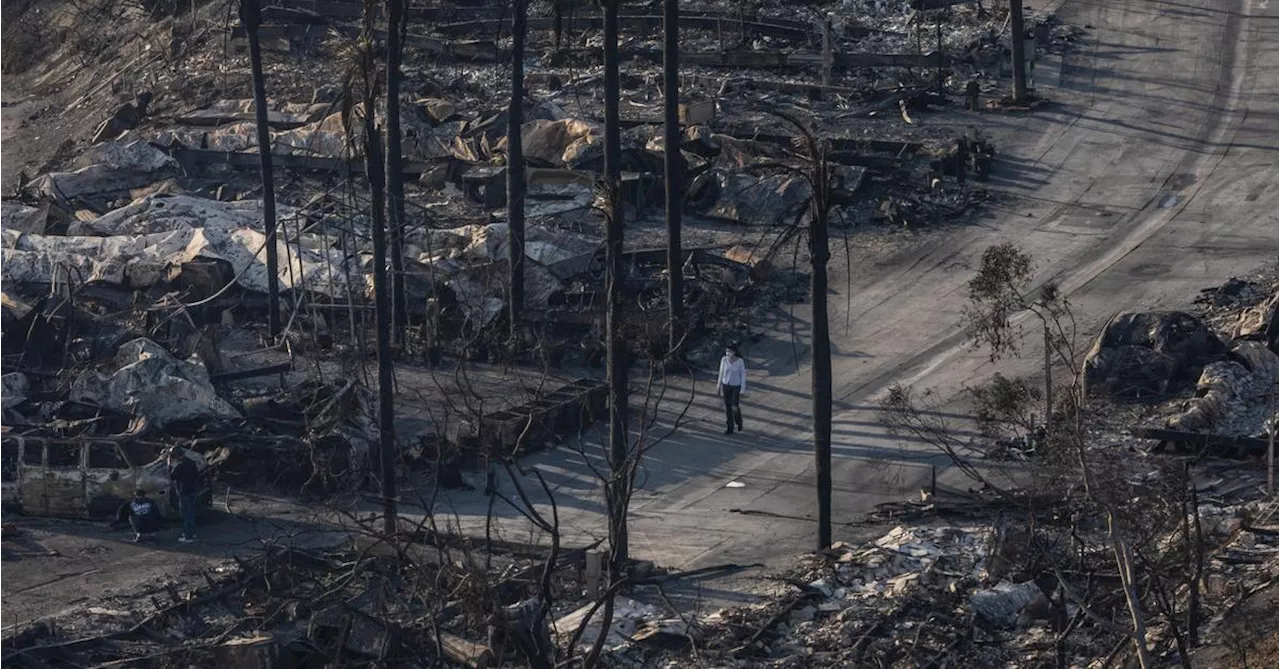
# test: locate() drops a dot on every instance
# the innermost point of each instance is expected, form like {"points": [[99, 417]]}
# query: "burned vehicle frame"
{"points": [[91, 478]]}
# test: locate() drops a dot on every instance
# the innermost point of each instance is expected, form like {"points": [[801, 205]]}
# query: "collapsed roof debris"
{"points": [[145, 381]]}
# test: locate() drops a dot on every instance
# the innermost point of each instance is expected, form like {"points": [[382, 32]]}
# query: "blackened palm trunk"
{"points": [[251, 17], [673, 164], [382, 316], [616, 352], [820, 252], [395, 169], [515, 170], [1019, 30], [557, 12]]}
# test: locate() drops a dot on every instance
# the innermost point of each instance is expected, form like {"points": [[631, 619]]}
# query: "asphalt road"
{"points": [[1152, 175]]}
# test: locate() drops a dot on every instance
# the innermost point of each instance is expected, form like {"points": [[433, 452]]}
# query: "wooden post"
{"points": [[593, 570]]}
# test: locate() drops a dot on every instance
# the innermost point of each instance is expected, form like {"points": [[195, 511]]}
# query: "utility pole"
{"points": [[251, 17], [1019, 31], [515, 172], [673, 165]]}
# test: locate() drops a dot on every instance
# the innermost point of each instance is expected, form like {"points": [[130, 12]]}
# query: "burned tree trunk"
{"points": [[251, 17], [1019, 31], [1048, 377], [381, 304], [557, 12], [615, 345], [820, 253], [395, 167], [1129, 586], [515, 170], [673, 166]]}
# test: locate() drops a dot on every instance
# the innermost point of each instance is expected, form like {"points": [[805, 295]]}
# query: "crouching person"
{"points": [[143, 515]]}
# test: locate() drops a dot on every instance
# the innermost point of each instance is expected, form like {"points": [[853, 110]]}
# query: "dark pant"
{"points": [[732, 411], [187, 504], [144, 524]]}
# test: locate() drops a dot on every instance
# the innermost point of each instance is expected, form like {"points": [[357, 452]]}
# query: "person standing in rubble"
{"points": [[971, 91], [142, 514], [186, 482], [731, 383]]}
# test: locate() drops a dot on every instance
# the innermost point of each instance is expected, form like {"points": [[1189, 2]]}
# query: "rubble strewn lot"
{"points": [[132, 258], [135, 256]]}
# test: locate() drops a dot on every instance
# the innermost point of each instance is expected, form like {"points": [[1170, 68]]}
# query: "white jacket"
{"points": [[733, 373]]}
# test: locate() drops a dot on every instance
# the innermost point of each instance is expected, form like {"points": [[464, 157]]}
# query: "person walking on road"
{"points": [[732, 382], [186, 482]]}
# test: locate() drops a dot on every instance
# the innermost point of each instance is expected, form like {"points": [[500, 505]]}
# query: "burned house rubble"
{"points": [[140, 253], [136, 293]]}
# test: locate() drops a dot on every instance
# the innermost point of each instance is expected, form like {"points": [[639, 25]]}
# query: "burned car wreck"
{"points": [[90, 479]]}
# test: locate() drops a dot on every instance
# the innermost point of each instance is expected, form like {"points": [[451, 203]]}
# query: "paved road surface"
{"points": [[1153, 175]]}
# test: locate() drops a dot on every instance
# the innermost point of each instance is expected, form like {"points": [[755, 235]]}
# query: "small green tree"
{"points": [[999, 293]]}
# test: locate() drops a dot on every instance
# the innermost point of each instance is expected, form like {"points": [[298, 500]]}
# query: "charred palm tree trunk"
{"points": [[251, 17], [616, 347], [673, 163], [395, 168], [820, 253], [375, 167], [515, 170], [1019, 53], [557, 13]]}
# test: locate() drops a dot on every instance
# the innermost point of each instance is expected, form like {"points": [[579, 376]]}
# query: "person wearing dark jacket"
{"points": [[186, 482], [143, 515]]}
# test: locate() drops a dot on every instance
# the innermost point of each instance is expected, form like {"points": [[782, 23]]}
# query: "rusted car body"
{"points": [[87, 478]]}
